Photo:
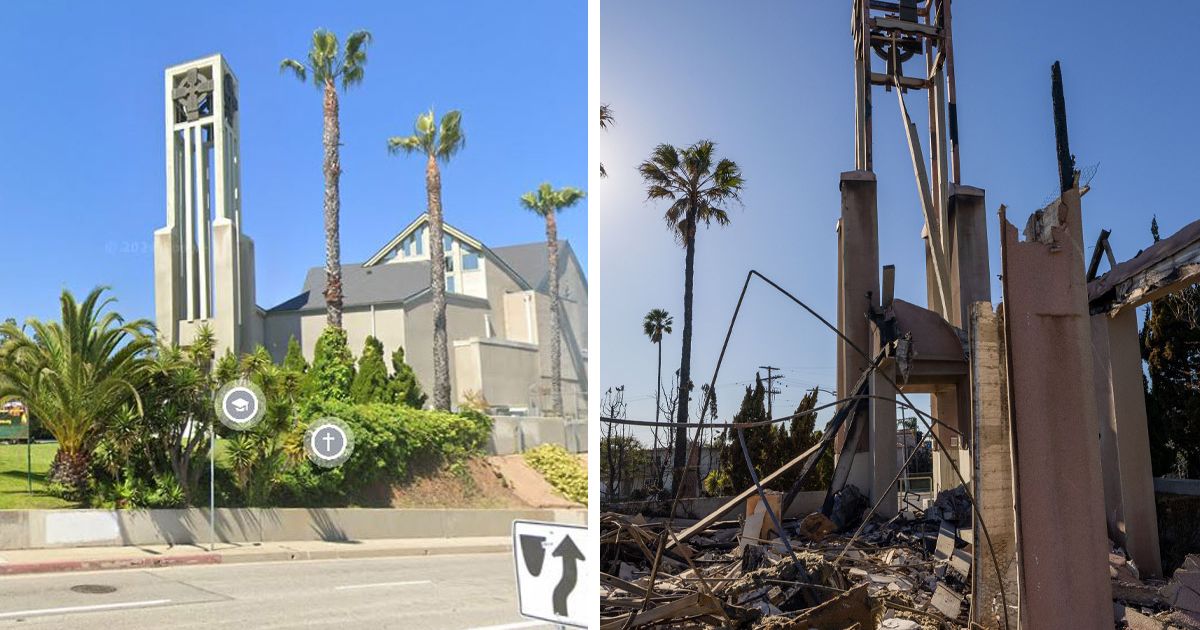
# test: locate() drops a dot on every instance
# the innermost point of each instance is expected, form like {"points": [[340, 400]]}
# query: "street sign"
{"points": [[552, 572]]}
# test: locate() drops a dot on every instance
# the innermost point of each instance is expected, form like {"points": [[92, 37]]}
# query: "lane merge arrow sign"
{"points": [[552, 571]]}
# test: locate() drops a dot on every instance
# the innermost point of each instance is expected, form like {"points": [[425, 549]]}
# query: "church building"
{"points": [[497, 297]]}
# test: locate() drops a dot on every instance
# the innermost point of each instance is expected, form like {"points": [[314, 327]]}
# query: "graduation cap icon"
{"points": [[240, 405]]}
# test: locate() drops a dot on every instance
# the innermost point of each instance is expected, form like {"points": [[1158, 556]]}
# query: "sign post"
{"points": [[28, 451], [553, 572]]}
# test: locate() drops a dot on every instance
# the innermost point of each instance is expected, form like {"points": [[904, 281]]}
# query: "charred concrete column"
{"points": [[858, 291], [993, 586], [1061, 539], [970, 277], [883, 440], [1124, 439], [943, 405]]}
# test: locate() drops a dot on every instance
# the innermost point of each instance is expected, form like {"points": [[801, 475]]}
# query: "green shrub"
{"points": [[371, 381], [405, 388], [561, 469], [294, 361], [390, 442], [332, 371]]}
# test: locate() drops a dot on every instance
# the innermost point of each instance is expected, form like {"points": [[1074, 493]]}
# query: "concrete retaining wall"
{"points": [[517, 434], [39, 529]]}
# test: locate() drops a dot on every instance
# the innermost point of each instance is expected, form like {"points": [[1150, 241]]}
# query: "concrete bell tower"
{"points": [[203, 264]]}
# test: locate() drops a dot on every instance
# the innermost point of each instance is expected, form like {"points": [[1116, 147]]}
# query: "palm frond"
{"points": [[451, 138], [606, 116], [296, 67], [403, 144]]}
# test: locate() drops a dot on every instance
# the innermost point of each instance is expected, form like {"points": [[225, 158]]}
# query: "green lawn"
{"points": [[14, 488]]}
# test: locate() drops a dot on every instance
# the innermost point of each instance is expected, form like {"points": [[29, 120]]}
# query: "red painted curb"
{"points": [[114, 563]]}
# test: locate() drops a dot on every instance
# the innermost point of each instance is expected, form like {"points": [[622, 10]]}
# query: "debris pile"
{"points": [[909, 572], [1146, 604]]}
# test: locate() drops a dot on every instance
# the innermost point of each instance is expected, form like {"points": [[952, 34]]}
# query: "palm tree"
{"points": [[700, 189], [657, 323], [606, 119], [76, 376], [326, 65], [546, 202], [436, 141]]}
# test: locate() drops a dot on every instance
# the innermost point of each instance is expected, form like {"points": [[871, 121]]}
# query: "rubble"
{"points": [[899, 574]]}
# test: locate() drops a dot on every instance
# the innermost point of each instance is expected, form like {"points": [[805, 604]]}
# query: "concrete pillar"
{"points": [[993, 587], [943, 405], [970, 275], [1124, 439], [882, 438], [858, 290], [1061, 534]]}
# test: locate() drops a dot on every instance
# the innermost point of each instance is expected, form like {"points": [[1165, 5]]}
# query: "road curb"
{"points": [[245, 557], [59, 566]]}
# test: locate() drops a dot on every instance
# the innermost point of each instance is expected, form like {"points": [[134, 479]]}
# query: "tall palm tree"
{"points": [[547, 202], [606, 119], [657, 323], [700, 188], [327, 65], [75, 375], [437, 141]]}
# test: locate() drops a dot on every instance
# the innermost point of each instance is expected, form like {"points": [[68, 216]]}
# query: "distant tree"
{"points": [[1171, 349], [622, 455], [547, 202], [371, 381], [802, 435], [437, 142], [332, 371], [772, 446], [406, 390], [294, 361], [762, 441], [326, 64], [656, 324], [699, 187], [606, 119]]}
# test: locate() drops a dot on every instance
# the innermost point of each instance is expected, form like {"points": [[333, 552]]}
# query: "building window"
{"points": [[470, 260], [420, 241], [450, 284], [449, 263]]}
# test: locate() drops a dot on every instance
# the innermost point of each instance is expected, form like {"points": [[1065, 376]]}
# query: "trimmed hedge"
{"points": [[390, 442], [561, 469]]}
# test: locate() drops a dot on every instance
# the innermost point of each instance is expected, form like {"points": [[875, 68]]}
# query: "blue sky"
{"points": [[772, 83], [82, 184]]}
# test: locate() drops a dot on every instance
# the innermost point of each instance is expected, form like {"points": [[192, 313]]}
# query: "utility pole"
{"points": [[771, 390]]}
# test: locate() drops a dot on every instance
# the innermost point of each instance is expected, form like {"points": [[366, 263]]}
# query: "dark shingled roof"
{"points": [[394, 282], [362, 285]]}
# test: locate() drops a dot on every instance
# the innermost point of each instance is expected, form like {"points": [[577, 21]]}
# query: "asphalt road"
{"points": [[450, 591]]}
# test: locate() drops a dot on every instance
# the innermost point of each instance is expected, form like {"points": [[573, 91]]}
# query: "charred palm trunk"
{"points": [[556, 399], [658, 463], [685, 359], [70, 470], [330, 137], [437, 286]]}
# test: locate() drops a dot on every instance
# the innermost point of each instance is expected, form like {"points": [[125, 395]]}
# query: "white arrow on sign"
{"points": [[551, 564]]}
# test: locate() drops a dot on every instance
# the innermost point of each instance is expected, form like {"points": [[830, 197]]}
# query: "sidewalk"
{"points": [[26, 561]]}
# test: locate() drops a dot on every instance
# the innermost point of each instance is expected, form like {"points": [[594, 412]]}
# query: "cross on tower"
{"points": [[193, 95]]}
